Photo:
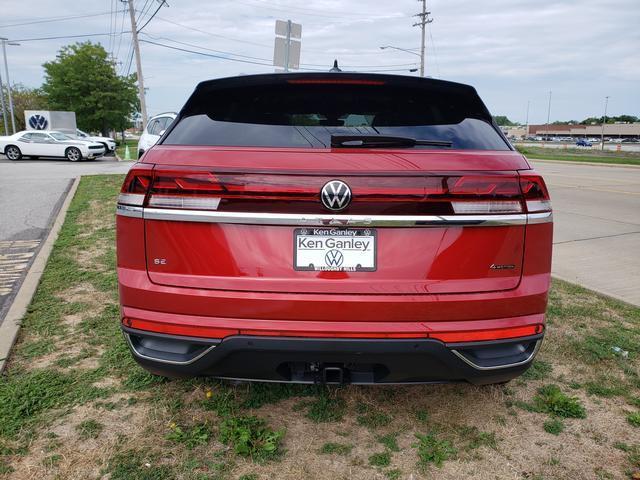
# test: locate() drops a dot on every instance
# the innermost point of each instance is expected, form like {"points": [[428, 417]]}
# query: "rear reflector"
{"points": [[219, 333]]}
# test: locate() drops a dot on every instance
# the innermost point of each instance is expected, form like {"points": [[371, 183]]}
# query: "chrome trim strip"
{"points": [[129, 211], [334, 220], [160, 360], [497, 367], [544, 217]]}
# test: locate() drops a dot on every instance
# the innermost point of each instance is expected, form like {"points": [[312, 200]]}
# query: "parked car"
{"points": [[154, 130], [35, 144], [263, 239], [581, 142], [108, 142]]}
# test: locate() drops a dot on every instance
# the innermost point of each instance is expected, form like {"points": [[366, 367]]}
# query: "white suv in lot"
{"points": [[108, 142], [154, 130]]}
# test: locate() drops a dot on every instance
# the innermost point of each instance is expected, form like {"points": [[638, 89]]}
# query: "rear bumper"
{"points": [[333, 360]]}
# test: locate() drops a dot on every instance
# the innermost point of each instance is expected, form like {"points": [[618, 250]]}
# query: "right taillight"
{"points": [[136, 185], [535, 193]]}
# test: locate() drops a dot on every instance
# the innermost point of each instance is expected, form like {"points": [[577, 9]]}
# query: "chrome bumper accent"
{"points": [[333, 220], [497, 367], [161, 360]]}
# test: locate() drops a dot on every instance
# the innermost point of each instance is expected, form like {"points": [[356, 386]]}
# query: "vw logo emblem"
{"points": [[39, 122], [334, 258], [335, 195]]}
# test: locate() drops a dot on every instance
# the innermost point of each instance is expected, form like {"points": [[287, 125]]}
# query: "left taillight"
{"points": [[136, 185]]}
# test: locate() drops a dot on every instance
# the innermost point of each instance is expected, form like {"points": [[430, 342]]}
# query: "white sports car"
{"points": [[108, 142], [36, 144]]}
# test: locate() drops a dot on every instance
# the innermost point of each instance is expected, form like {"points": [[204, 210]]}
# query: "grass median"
{"points": [[73, 404], [581, 155]]}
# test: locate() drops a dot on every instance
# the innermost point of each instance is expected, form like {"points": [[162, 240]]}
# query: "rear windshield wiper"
{"points": [[382, 141]]}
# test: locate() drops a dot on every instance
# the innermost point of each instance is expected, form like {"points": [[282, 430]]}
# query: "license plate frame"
{"points": [[355, 260]]}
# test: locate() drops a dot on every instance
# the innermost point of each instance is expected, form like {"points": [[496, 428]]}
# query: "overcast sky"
{"points": [[512, 51]]}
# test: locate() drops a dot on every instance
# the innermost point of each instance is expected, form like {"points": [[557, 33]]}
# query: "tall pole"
{"points": [[136, 47], [287, 47], [604, 120], [4, 110], [546, 128], [424, 20], [527, 120], [6, 71]]}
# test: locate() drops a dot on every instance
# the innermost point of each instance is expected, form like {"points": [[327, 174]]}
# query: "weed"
{"points": [[221, 401], [190, 437], [555, 426], [422, 416], [251, 437], [5, 469], [634, 419], [259, 394], [372, 418], [394, 474], [390, 441], [476, 438], [336, 448], [382, 459], [432, 450], [601, 390], [89, 429], [248, 476], [133, 465], [326, 408], [550, 399], [538, 370]]}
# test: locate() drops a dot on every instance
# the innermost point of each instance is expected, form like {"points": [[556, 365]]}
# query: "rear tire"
{"points": [[73, 154], [12, 152]]}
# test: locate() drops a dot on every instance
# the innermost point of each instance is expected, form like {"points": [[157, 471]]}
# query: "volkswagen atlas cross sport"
{"points": [[334, 228]]}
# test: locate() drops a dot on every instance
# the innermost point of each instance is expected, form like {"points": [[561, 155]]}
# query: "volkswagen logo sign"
{"points": [[335, 195], [334, 258], [39, 122]]}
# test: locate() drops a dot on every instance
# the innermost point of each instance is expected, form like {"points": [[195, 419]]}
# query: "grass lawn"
{"points": [[581, 155], [73, 404]]}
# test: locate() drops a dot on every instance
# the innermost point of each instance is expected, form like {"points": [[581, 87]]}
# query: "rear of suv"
{"points": [[334, 228]]}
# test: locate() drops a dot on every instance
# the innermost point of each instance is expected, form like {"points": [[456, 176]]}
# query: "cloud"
{"points": [[512, 51]]}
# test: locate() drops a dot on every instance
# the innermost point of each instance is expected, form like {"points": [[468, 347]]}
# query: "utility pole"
{"points": [[546, 128], [136, 48], [604, 120], [6, 71], [424, 21], [4, 110]]}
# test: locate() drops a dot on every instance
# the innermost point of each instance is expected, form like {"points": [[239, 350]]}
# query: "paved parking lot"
{"points": [[597, 226], [31, 195]]}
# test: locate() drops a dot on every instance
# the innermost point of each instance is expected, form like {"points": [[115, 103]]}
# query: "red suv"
{"points": [[334, 228]]}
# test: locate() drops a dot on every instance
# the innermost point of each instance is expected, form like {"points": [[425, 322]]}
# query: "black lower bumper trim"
{"points": [[333, 360]]}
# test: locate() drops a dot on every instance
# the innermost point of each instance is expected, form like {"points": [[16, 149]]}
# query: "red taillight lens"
{"points": [[202, 189], [535, 193], [136, 185]]}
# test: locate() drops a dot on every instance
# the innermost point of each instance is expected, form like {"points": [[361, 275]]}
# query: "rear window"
{"points": [[306, 114]]}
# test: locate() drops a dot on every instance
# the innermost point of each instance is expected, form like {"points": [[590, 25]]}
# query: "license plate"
{"points": [[334, 249]]}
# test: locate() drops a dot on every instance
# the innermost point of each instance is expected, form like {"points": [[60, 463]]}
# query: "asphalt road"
{"points": [[596, 211], [596, 226], [31, 194]]}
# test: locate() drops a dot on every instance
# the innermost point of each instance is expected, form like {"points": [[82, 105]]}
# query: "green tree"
{"points": [[24, 98], [82, 79], [503, 120]]}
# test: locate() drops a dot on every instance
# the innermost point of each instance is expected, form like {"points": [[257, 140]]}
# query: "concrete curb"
{"points": [[599, 292], [11, 325], [591, 164]]}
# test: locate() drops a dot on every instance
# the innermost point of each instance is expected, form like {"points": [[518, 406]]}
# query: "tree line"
{"points": [[81, 79]]}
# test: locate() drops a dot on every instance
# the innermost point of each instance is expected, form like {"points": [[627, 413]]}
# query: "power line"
{"points": [[56, 19], [162, 2], [63, 36]]}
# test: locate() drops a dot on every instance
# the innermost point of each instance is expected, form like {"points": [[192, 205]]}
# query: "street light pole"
{"points": [[6, 71], [4, 110], [604, 120], [546, 128], [527, 120]]}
